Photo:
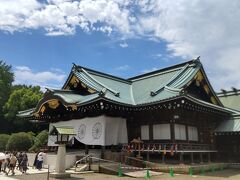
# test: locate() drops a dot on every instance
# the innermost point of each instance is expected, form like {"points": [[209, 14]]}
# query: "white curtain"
{"points": [[192, 133], [180, 132], [161, 131], [145, 132], [100, 130]]}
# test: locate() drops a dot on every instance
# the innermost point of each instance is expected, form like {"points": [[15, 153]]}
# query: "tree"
{"points": [[20, 141], [21, 98], [3, 141], [40, 141], [6, 79]]}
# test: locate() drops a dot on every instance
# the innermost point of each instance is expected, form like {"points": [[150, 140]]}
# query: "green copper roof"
{"points": [[63, 130], [229, 126], [144, 89], [25, 113], [72, 97], [230, 99]]}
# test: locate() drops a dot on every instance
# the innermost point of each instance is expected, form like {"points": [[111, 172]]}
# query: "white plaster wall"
{"points": [[50, 159]]}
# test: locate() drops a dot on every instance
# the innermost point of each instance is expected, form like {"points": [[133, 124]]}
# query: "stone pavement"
{"points": [[227, 174], [18, 174]]}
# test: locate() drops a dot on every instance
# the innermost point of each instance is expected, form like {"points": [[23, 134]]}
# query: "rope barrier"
{"points": [[212, 167]]}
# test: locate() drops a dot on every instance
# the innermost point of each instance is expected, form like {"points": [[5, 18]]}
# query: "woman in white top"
{"points": [[39, 161]]}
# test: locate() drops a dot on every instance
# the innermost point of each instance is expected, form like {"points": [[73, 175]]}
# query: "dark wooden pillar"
{"points": [[102, 152], [147, 155], [187, 133], [209, 157], [181, 158], [86, 149], [150, 132], [192, 160], [201, 158], [172, 130]]}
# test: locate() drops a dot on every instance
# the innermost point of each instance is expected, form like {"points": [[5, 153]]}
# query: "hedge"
{"points": [[40, 141], [20, 142], [3, 141]]}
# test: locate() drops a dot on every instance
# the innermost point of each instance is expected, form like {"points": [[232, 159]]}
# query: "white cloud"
{"points": [[24, 75], [62, 17], [199, 27], [123, 68], [123, 45], [206, 28]]}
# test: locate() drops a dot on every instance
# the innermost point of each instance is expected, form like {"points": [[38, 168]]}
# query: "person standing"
{"points": [[35, 161], [6, 162], [12, 164], [1, 163], [39, 161], [19, 160], [24, 163]]}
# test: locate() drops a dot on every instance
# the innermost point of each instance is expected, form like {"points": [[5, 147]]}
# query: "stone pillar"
{"points": [[201, 158], [60, 164], [192, 160], [61, 156]]}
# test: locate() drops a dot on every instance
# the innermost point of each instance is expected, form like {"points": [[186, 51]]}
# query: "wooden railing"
{"points": [[167, 147]]}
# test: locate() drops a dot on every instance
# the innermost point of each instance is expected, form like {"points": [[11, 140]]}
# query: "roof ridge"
{"points": [[103, 74], [165, 69], [174, 77], [116, 93]]}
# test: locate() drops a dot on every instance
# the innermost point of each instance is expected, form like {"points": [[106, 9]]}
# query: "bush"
{"points": [[20, 142], [40, 141], [3, 141], [32, 136]]}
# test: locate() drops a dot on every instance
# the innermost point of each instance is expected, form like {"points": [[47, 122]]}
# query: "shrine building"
{"points": [[172, 111]]}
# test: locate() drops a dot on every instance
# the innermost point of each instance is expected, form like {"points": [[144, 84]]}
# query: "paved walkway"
{"points": [[228, 174], [18, 174]]}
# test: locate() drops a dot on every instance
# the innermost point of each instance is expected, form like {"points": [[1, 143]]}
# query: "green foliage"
{"points": [[6, 79], [3, 141], [14, 99], [22, 99], [40, 141], [20, 142]]}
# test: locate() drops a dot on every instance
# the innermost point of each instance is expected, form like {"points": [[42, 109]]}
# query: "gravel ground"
{"points": [[229, 174]]}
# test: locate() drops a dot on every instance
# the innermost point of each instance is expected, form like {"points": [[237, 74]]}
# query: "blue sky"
{"points": [[124, 58], [41, 39]]}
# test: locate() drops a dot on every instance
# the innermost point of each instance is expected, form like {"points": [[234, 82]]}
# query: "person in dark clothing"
{"points": [[39, 161], [35, 161], [19, 159], [24, 163], [1, 161]]}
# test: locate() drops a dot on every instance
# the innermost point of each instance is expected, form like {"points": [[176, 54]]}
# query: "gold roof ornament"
{"points": [[213, 99], [73, 80], [206, 88], [73, 107], [53, 104], [199, 76], [43, 108]]}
